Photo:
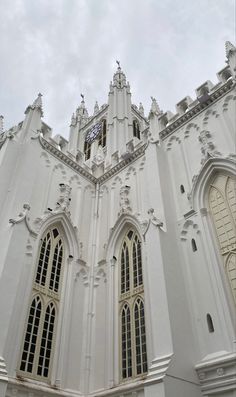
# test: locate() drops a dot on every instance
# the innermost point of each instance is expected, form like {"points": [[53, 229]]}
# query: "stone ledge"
{"points": [[217, 373]]}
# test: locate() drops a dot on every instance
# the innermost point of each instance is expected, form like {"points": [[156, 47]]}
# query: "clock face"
{"points": [[93, 132]]}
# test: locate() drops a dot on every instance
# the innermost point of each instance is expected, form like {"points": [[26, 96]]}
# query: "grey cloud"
{"points": [[62, 48]]}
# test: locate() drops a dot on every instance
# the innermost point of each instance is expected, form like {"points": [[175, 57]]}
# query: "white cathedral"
{"points": [[118, 248]]}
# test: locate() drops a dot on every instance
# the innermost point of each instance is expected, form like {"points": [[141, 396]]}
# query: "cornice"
{"points": [[80, 170], [65, 159], [183, 119], [120, 166]]}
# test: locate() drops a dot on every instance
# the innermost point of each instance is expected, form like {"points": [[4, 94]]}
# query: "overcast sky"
{"points": [[62, 48]]}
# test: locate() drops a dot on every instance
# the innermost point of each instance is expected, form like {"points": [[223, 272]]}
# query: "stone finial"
{"points": [[141, 109], [37, 104], [229, 49], [96, 108], [1, 124], [155, 107]]}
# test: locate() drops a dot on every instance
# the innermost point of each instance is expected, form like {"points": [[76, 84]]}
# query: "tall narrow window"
{"points": [[210, 323], [40, 329], [87, 150], [132, 318], [136, 129], [222, 203], [103, 135]]}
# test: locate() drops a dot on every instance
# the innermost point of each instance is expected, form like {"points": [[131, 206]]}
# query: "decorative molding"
{"points": [[124, 200], [65, 198], [80, 170], [99, 274], [191, 113], [207, 146], [187, 224], [3, 369], [217, 374], [83, 272], [65, 159], [158, 368]]}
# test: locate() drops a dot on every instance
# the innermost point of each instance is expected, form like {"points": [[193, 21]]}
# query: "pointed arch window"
{"points": [[222, 204], [39, 335], [136, 129], [87, 150], [132, 317], [103, 135]]}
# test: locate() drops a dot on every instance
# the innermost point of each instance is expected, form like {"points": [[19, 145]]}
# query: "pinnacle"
{"points": [[1, 124], [155, 107], [229, 48]]}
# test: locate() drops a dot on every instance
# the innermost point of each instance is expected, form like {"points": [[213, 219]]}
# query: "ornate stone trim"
{"points": [[118, 167], [196, 110], [217, 374], [66, 160], [76, 167]]}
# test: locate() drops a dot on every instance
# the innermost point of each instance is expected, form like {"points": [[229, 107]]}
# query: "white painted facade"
{"points": [[158, 186]]}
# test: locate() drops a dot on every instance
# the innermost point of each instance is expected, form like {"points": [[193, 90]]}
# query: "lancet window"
{"points": [[136, 129], [87, 150], [39, 335], [222, 203], [133, 349], [103, 135]]}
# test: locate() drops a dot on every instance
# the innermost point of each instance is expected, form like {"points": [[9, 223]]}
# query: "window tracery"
{"points": [[132, 316], [222, 203], [40, 328], [103, 135]]}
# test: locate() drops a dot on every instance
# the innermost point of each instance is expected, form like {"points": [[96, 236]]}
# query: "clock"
{"points": [[93, 132]]}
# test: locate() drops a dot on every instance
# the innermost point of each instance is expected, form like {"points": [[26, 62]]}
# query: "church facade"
{"points": [[118, 248]]}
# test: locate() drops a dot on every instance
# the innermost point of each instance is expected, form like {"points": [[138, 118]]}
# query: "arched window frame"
{"points": [[87, 150], [102, 139], [130, 297], [226, 241], [136, 129], [49, 294]]}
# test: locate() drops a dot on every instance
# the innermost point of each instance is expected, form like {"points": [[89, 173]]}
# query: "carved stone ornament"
{"points": [[207, 146], [124, 200], [65, 197], [36, 134], [23, 217], [152, 220]]}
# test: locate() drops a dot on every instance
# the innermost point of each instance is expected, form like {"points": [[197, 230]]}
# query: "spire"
{"points": [[37, 104], [155, 107], [229, 49], [1, 124], [81, 111], [119, 78], [96, 108]]}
